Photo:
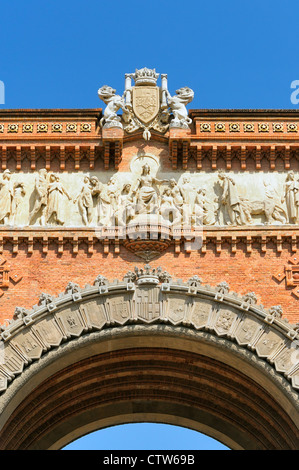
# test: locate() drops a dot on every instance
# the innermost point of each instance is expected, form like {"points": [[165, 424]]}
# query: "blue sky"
{"points": [[146, 436], [233, 54]]}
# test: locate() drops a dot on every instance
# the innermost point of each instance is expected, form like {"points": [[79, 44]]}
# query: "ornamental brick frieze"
{"points": [[184, 153], [148, 295]]}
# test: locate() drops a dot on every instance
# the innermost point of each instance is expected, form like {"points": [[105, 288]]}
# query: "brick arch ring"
{"points": [[149, 348]]}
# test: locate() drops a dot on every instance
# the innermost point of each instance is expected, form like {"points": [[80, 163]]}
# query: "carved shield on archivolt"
{"points": [[146, 102]]}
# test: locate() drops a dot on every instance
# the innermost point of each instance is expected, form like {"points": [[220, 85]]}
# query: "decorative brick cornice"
{"points": [[238, 137]]}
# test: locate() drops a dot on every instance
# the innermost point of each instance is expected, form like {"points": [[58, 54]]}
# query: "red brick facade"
{"points": [[36, 260]]}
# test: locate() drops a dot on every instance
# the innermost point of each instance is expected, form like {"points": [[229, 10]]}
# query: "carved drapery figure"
{"points": [[18, 194], [168, 209], [107, 202], [6, 195], [125, 206], [147, 201], [231, 200], [291, 197], [204, 211], [56, 201], [187, 189], [85, 201], [41, 198], [177, 194]]}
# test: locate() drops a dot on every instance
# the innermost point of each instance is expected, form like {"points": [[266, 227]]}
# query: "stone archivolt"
{"points": [[147, 296]]}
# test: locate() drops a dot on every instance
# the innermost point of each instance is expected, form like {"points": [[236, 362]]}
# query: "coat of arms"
{"points": [[146, 105]]}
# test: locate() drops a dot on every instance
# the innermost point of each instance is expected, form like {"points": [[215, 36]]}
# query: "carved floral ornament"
{"points": [[260, 127], [44, 127], [146, 296]]}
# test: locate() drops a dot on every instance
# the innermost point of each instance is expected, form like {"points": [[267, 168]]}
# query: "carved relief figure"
{"points": [[85, 201], [146, 194], [168, 209], [269, 207], [18, 194], [187, 189], [125, 206], [204, 211], [56, 201], [291, 197], [231, 200], [6, 195], [96, 189], [107, 202], [41, 197]]}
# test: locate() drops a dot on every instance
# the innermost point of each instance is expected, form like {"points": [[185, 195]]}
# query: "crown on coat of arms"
{"points": [[145, 76]]}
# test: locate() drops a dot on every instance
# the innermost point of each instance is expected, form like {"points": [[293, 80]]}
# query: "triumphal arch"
{"points": [[149, 269]]}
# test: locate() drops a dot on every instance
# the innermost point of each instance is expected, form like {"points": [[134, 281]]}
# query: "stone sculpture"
{"points": [[177, 104], [6, 196], [41, 198], [168, 209], [269, 207], [231, 200], [18, 194], [204, 211], [145, 192], [55, 206], [85, 201], [119, 202], [107, 202], [291, 197], [146, 106], [125, 206], [113, 104]]}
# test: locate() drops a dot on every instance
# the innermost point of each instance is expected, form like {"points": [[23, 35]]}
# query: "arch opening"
{"points": [[145, 436]]}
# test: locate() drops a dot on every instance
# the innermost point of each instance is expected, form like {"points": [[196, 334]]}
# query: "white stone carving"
{"points": [[85, 201], [41, 198], [113, 104], [291, 197], [147, 201], [121, 198], [6, 197], [231, 200], [18, 196], [56, 201], [146, 106], [177, 104]]}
